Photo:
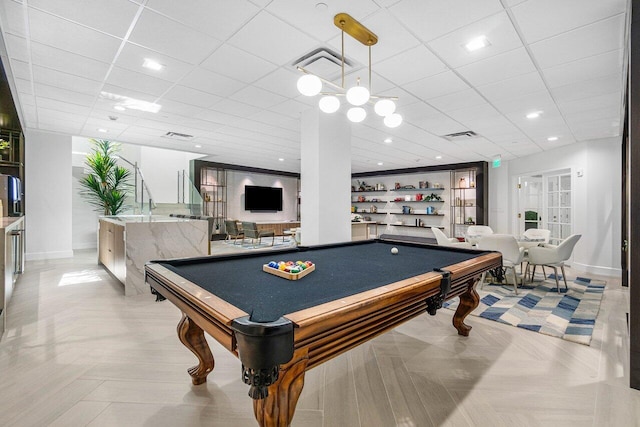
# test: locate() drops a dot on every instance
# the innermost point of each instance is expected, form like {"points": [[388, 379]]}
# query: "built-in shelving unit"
{"points": [[417, 199], [213, 190]]}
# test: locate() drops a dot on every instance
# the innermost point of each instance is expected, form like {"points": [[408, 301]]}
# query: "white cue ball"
{"points": [[394, 250]]}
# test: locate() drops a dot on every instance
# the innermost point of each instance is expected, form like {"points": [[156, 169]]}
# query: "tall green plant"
{"points": [[106, 186]]}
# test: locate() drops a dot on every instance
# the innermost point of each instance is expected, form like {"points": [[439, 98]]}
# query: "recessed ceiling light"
{"points": [[198, 146], [380, 163], [438, 157], [131, 103], [388, 140], [552, 138], [281, 159], [477, 43], [102, 130], [152, 65], [119, 108], [534, 115]]}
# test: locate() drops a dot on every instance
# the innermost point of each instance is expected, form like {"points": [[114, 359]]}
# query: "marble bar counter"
{"points": [[127, 242], [11, 261]]}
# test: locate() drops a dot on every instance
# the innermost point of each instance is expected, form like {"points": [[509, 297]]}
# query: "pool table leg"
{"points": [[192, 336], [277, 409], [469, 300]]}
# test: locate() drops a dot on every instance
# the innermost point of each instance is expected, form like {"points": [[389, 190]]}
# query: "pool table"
{"points": [[280, 328]]}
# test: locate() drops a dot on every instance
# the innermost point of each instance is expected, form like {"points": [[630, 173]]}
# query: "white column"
{"points": [[325, 190], [48, 198]]}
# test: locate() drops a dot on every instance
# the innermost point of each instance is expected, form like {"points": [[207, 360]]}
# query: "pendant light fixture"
{"points": [[358, 96]]}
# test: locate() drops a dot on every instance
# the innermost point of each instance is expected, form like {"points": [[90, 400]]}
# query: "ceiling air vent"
{"points": [[325, 63], [176, 135], [467, 134]]}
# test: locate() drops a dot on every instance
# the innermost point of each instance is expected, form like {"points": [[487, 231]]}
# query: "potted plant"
{"points": [[106, 186]]}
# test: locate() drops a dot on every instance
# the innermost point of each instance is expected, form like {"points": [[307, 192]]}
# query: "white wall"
{"points": [[236, 180], [160, 169], [596, 203], [48, 195]]}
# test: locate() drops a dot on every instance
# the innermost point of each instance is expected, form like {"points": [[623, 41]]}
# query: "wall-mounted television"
{"points": [[258, 198]]}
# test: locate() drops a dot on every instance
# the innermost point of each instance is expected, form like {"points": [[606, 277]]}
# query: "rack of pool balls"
{"points": [[289, 269]]}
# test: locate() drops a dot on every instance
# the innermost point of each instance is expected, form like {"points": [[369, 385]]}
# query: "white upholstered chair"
{"points": [[512, 254], [537, 234], [553, 256], [443, 240], [475, 232]]}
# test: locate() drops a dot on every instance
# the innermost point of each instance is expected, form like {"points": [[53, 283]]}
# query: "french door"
{"points": [[558, 205]]}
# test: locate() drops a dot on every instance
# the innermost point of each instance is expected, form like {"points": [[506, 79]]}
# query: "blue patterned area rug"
{"points": [[570, 315]]}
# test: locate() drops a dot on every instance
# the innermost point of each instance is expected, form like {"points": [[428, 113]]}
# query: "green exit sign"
{"points": [[497, 162]]}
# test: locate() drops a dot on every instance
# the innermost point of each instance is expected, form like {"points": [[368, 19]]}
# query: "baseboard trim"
{"points": [[597, 270]]}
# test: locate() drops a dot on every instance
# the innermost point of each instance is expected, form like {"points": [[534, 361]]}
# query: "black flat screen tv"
{"points": [[262, 198]]}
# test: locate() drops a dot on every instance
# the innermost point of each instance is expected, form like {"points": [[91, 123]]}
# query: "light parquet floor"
{"points": [[78, 353]]}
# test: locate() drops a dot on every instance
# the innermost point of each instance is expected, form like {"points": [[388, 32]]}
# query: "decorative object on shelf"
{"points": [[397, 186], [418, 197], [470, 221], [433, 197], [430, 210], [436, 185], [462, 183], [106, 185], [406, 210], [374, 209], [472, 184], [358, 96]]}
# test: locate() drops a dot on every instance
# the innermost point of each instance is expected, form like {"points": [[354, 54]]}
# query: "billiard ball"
{"points": [[394, 250]]}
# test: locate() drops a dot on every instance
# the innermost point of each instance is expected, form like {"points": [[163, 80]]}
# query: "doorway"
{"points": [[545, 201]]}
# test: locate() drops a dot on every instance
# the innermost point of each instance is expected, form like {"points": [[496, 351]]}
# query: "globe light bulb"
{"points": [[384, 107], [356, 114], [329, 104], [309, 85], [358, 95], [393, 120]]}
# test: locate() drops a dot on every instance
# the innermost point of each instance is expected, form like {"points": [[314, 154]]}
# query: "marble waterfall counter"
{"points": [[127, 242]]}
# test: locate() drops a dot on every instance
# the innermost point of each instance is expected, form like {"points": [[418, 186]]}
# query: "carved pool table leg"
{"points": [[278, 408], [192, 336], [468, 302]]}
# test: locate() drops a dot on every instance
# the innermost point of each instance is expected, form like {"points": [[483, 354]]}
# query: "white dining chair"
{"points": [[553, 256], [475, 232], [537, 234], [512, 254], [443, 240]]}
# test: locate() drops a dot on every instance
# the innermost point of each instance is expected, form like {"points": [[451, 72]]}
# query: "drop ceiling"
{"points": [[228, 80]]}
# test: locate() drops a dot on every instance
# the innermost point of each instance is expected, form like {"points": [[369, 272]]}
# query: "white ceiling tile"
{"points": [[410, 65], [439, 124], [137, 81], [234, 108], [72, 97], [593, 39], [515, 87], [290, 108], [588, 88], [281, 81], [156, 32], [52, 31], [233, 62], [455, 101], [430, 20], [271, 39], [585, 69], [50, 116], [68, 62], [17, 47], [133, 56], [593, 129], [419, 110], [62, 80], [567, 15], [535, 101], [210, 82], [499, 67], [260, 98], [611, 112], [53, 104], [610, 100], [110, 16], [219, 19], [12, 18], [276, 119], [435, 86], [190, 96], [218, 117], [23, 87], [478, 112], [179, 108], [497, 29], [19, 69]]}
